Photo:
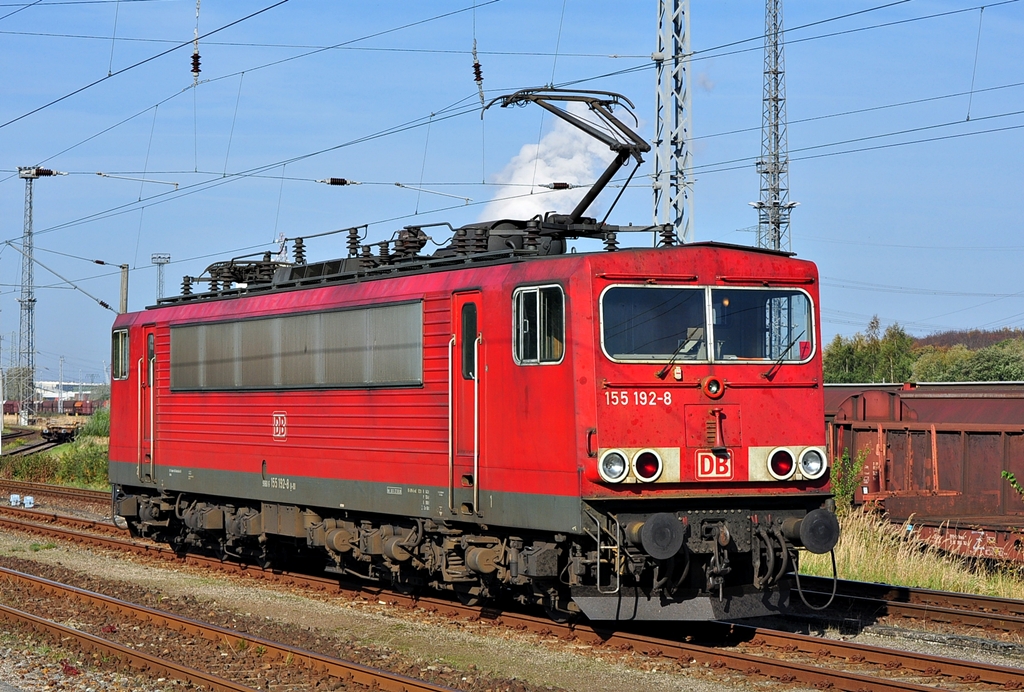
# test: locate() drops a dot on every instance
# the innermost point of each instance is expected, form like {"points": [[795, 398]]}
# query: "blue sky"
{"points": [[924, 233]]}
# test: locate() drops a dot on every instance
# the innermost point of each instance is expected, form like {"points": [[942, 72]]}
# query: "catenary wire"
{"points": [[140, 63]]}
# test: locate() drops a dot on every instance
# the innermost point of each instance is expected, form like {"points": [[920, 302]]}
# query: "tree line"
{"points": [[895, 356]]}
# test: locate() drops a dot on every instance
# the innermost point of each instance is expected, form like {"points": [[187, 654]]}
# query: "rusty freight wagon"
{"points": [[935, 454]]}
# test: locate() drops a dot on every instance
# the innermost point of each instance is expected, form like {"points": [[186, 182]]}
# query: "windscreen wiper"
{"points": [[775, 366], [691, 340]]}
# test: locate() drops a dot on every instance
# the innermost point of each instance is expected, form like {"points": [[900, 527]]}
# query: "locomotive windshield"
{"points": [[761, 324], [654, 323], [662, 323]]}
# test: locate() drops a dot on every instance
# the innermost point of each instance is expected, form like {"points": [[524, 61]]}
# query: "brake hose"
{"points": [[835, 584]]}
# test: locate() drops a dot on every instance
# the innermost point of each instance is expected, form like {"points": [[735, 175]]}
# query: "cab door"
{"points": [[465, 368], [146, 371]]}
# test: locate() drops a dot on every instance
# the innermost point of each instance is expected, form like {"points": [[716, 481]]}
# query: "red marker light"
{"points": [[781, 464], [647, 466]]}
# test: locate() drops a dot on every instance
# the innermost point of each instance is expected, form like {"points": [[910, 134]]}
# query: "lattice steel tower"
{"points": [[774, 206], [27, 335], [673, 167]]}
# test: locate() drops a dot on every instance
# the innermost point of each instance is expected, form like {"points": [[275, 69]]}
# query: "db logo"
{"points": [[710, 465], [280, 425]]}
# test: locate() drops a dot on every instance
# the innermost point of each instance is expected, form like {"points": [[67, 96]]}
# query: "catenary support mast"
{"points": [[774, 206], [27, 336], [673, 167], [27, 330]]}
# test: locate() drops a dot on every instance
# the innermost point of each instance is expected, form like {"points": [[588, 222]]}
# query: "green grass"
{"points": [[82, 463], [875, 550], [98, 424]]}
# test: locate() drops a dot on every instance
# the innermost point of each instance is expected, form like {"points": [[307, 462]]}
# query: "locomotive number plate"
{"points": [[637, 398]]}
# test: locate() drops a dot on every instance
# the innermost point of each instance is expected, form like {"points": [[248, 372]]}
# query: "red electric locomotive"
{"points": [[634, 434]]}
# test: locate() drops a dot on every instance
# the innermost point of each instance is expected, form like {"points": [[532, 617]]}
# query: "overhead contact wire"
{"points": [[139, 64]]}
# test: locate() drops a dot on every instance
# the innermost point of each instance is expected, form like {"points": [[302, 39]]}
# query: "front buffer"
{"points": [[700, 564]]}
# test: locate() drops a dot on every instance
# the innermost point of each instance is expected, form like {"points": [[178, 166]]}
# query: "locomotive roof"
{"points": [[476, 245], [522, 240]]}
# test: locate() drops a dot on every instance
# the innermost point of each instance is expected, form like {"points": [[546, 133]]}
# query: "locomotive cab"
{"points": [[707, 468]]}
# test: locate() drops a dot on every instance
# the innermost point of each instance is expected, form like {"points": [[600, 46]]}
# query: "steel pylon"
{"points": [[673, 166], [774, 206]]}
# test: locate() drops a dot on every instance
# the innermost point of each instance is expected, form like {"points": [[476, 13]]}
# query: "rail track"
{"points": [[46, 490], [30, 448], [13, 433], [754, 652], [962, 610], [863, 599], [136, 624]]}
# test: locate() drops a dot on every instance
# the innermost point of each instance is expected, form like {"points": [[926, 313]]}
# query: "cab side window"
{"points": [[538, 316], [119, 354]]}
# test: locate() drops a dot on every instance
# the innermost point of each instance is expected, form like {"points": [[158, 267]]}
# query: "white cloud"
{"points": [[564, 155]]}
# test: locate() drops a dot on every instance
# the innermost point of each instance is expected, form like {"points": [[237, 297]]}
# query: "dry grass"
{"points": [[872, 549]]}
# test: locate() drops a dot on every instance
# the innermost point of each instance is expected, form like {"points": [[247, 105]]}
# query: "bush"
{"points": [[845, 477], [98, 424], [81, 463]]}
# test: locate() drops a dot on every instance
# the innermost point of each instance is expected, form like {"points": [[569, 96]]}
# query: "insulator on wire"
{"points": [[300, 251], [558, 186], [532, 240], [366, 260], [336, 181], [478, 75], [195, 64], [668, 236], [44, 172], [353, 242]]}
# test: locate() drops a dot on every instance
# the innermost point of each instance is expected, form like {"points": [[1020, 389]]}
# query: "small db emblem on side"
{"points": [[712, 466], [280, 425]]}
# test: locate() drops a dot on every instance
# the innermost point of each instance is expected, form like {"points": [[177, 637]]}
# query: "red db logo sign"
{"points": [[714, 467]]}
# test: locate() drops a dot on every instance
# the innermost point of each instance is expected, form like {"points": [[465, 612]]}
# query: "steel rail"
{"points": [[28, 487], [989, 612], [766, 665], [47, 517], [890, 659], [15, 433], [31, 448], [135, 659], [348, 671]]}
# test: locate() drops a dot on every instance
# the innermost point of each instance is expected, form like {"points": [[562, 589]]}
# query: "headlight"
{"points": [[613, 466], [647, 466], [781, 465], [812, 464]]}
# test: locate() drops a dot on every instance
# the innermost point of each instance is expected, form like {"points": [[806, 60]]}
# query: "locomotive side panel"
{"points": [[379, 450]]}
